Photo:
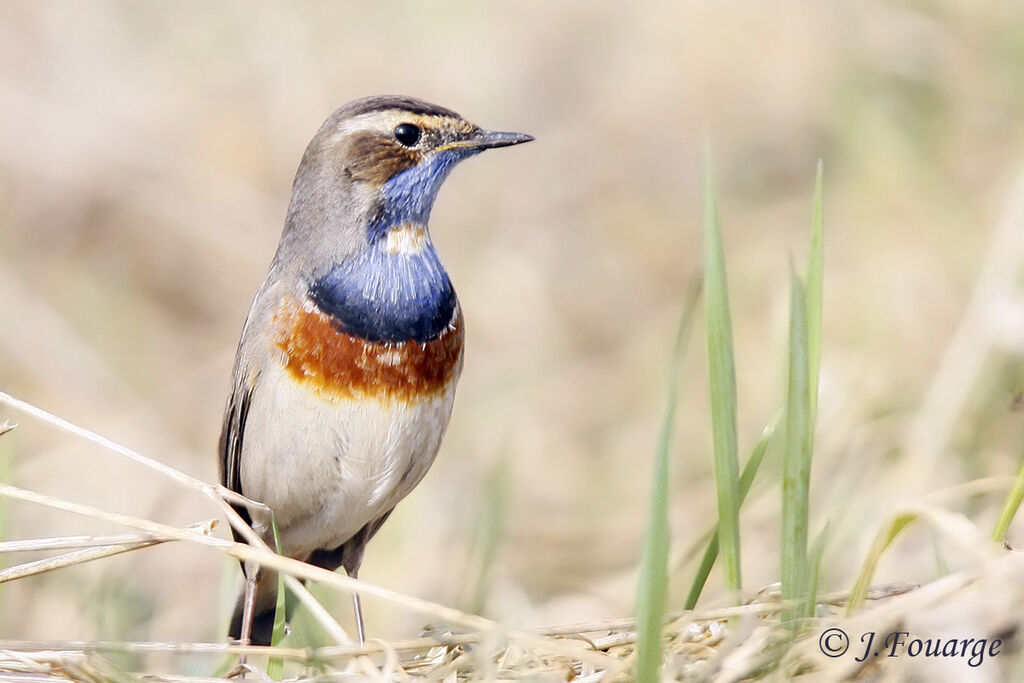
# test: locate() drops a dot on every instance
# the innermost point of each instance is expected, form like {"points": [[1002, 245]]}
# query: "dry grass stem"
{"points": [[707, 645], [94, 553], [258, 552], [74, 542]]}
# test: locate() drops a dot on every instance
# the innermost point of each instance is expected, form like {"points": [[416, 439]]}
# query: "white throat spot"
{"points": [[409, 238]]}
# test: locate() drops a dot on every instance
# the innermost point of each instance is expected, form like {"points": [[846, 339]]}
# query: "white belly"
{"points": [[327, 467]]}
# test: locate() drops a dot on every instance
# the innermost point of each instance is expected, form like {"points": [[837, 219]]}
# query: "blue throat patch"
{"points": [[382, 296]]}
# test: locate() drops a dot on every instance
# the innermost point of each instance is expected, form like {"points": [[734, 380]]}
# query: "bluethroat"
{"points": [[347, 365]]}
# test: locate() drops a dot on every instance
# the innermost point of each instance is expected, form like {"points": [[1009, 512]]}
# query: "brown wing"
{"points": [[231, 439]]}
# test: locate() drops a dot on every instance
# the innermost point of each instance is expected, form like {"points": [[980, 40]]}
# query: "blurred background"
{"points": [[146, 157]]}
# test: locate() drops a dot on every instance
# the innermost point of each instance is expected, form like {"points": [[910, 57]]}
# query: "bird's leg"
{"points": [[249, 605], [357, 608], [263, 524], [252, 576]]}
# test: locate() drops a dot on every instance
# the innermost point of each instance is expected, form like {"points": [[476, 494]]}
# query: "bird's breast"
{"points": [[317, 353]]}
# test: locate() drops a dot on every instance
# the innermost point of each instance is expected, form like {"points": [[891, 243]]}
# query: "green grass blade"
{"points": [[1010, 508], [812, 307], [882, 541], [653, 584], [814, 570], [489, 533], [815, 287], [722, 383], [275, 667], [703, 571], [746, 481], [797, 456]]}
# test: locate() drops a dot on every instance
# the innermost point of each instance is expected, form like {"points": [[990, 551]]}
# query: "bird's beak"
{"points": [[486, 139]]}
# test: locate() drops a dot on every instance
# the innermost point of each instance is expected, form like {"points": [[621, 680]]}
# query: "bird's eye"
{"points": [[407, 134]]}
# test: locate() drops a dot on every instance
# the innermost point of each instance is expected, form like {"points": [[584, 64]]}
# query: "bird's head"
{"points": [[376, 165]]}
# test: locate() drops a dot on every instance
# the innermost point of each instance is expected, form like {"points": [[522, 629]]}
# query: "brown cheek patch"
{"points": [[340, 366], [376, 159]]}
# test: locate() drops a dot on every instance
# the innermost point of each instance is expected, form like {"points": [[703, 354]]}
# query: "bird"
{"points": [[345, 373]]}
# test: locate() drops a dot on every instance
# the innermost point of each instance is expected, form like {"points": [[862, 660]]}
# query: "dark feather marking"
{"points": [[377, 158], [350, 553], [231, 439], [409, 469], [387, 102]]}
